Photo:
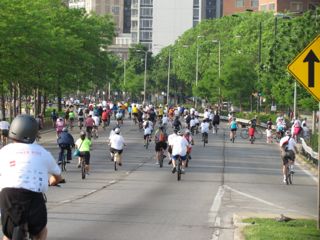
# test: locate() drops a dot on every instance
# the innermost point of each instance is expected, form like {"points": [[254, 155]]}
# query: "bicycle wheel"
{"points": [[244, 133], [83, 169], [161, 159], [63, 163], [179, 170], [258, 133], [204, 139], [147, 142], [290, 177]]}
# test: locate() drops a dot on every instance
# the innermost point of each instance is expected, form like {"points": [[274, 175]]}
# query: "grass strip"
{"points": [[267, 229]]}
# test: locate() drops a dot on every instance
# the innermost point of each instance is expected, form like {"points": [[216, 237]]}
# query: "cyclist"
{"points": [[170, 143], [80, 118], [71, 118], [233, 128], [4, 131], [21, 200], [84, 145], [89, 125], [65, 142], [204, 127], [160, 138], [148, 128], [215, 121], [176, 123], [288, 149], [119, 117], [54, 117], [189, 138], [135, 111], [59, 126], [96, 124], [104, 118], [179, 149], [117, 144]]}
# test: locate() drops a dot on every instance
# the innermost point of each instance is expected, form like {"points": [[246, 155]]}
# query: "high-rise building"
{"points": [[235, 6], [297, 6]]}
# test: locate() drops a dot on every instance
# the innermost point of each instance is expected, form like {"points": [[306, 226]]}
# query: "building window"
{"points": [[195, 13], [145, 23], [195, 3], [296, 6], [313, 6], [115, 10], [134, 13], [145, 35], [272, 7], [146, 12], [146, 2], [239, 3], [254, 3]]}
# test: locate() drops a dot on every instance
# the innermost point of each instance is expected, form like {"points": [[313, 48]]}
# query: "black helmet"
{"points": [[82, 134], [24, 128]]}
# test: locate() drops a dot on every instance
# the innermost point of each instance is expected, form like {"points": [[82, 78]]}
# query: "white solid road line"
{"points": [[307, 172], [214, 220]]}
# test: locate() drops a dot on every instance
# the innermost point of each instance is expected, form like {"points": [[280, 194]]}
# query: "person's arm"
{"points": [[55, 179]]}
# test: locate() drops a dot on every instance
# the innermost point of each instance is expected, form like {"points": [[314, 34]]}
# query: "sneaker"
{"points": [[68, 161], [157, 163], [174, 170], [169, 162], [190, 157], [79, 165], [183, 171], [120, 164], [59, 163]]}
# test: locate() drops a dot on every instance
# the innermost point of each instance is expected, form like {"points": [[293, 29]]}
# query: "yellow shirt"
{"points": [[134, 110]]}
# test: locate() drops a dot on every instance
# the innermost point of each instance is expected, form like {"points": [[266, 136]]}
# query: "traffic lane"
{"points": [[255, 169], [148, 204]]}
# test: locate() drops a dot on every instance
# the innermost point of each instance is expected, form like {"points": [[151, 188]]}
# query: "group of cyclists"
{"points": [[155, 122]]}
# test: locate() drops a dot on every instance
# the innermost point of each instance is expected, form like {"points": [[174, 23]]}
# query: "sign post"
{"points": [[306, 69]]}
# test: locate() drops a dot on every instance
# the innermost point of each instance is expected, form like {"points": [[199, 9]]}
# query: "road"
{"points": [[143, 202]]}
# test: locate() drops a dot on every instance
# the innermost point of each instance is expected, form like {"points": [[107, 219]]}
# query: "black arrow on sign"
{"points": [[311, 58]]}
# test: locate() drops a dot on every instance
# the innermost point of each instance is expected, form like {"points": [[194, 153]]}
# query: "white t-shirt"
{"points": [[171, 138], [179, 146], [291, 143], [116, 141], [269, 132], [204, 127], [206, 114], [192, 122], [4, 125], [26, 166], [164, 120], [96, 120]]}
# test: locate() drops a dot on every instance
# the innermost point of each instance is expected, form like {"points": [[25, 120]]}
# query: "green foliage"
{"points": [[265, 229]]}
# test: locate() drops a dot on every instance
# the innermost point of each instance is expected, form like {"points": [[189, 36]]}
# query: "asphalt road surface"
{"points": [[141, 201]]}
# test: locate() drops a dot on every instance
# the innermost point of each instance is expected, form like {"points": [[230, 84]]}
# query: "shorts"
{"points": [[288, 155], [233, 129], [183, 158], [4, 132], [160, 145], [19, 206], [86, 157], [145, 136], [89, 129], [113, 150]]}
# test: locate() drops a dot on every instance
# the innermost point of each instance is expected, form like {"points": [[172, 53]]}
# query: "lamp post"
{"points": [[197, 67], [145, 74], [168, 82], [219, 63]]}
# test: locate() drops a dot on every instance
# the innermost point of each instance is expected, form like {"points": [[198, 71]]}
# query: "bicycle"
{"points": [[204, 138], [161, 157], [244, 133], [289, 175], [94, 133], [115, 157], [64, 162], [179, 168], [146, 141], [215, 127], [83, 167]]}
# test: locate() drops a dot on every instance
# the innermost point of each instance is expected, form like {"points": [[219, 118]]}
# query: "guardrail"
{"points": [[309, 153]]}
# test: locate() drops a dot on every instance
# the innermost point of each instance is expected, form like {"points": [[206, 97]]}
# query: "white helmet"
{"points": [[117, 130]]}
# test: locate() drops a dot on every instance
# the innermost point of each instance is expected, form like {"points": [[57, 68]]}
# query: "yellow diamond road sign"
{"points": [[306, 68]]}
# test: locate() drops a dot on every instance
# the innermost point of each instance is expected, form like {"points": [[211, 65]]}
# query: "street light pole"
{"points": [[197, 65], [219, 63], [168, 83], [145, 74]]}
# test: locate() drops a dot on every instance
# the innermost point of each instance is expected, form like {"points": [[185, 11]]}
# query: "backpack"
{"points": [[162, 137], [285, 145]]}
